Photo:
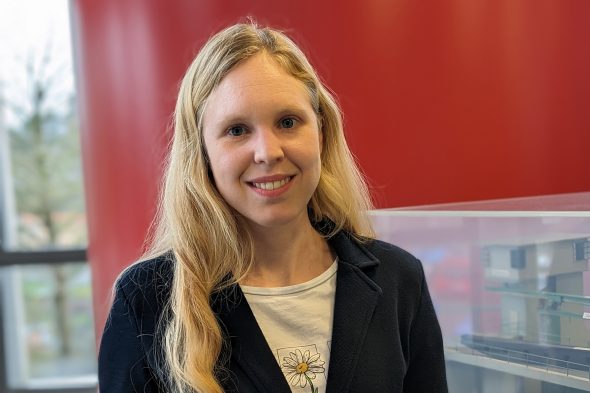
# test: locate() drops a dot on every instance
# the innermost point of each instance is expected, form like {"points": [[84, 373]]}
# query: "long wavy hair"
{"points": [[203, 232]]}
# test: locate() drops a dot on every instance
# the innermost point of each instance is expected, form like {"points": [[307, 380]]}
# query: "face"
{"points": [[263, 141]]}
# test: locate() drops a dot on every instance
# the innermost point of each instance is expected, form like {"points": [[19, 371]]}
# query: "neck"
{"points": [[288, 256]]}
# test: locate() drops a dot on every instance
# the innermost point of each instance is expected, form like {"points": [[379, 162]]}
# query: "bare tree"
{"points": [[46, 166]]}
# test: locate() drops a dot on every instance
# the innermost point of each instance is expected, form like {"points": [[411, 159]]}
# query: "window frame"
{"points": [[28, 258], [23, 258]]}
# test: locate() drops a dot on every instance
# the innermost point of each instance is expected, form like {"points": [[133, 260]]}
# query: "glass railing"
{"points": [[510, 280]]}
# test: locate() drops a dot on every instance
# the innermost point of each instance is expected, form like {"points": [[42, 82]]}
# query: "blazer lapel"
{"points": [[354, 304], [249, 349]]}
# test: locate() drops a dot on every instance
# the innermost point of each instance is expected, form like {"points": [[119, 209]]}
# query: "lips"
{"points": [[272, 185]]}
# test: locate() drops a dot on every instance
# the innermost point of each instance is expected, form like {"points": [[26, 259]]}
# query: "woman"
{"points": [[263, 275]]}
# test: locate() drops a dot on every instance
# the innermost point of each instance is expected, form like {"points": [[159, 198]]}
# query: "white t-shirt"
{"points": [[297, 323]]}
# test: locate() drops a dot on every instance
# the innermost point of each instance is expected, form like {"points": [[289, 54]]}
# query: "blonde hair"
{"points": [[204, 232]]}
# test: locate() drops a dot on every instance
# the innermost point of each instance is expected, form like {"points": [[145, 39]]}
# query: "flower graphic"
{"points": [[301, 367]]}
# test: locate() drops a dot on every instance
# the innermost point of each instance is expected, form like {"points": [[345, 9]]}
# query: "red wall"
{"points": [[444, 100]]}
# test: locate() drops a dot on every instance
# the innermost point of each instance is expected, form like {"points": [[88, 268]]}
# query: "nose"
{"points": [[268, 147]]}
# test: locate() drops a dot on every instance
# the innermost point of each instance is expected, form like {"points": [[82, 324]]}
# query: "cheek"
{"points": [[314, 147], [227, 166], [216, 164], [219, 169], [309, 156]]}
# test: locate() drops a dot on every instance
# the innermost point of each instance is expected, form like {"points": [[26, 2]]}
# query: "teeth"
{"points": [[272, 185]]}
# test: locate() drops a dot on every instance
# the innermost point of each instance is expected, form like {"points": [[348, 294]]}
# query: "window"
{"points": [[46, 331], [518, 258], [581, 250]]}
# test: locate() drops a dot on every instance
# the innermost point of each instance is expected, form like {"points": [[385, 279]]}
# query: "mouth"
{"points": [[271, 185]]}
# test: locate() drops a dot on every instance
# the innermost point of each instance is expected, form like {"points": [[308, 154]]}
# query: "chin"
{"points": [[278, 220]]}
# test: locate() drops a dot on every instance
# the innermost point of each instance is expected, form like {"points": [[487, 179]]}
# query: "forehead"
{"points": [[259, 83]]}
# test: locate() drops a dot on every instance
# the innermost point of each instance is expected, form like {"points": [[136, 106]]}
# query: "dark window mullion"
{"points": [[41, 257], [57, 390]]}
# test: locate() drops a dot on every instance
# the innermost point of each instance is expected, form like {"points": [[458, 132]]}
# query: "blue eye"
{"points": [[236, 130], [288, 122]]}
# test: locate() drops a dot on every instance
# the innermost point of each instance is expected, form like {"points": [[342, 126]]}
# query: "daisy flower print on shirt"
{"points": [[301, 368]]}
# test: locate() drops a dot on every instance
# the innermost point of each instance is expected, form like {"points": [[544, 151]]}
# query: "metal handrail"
{"points": [[515, 330], [566, 368]]}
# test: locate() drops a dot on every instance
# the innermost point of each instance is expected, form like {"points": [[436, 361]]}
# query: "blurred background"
{"points": [[445, 103], [47, 338]]}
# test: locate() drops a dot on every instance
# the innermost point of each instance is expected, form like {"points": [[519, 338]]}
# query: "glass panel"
{"points": [[41, 170], [48, 329], [511, 289]]}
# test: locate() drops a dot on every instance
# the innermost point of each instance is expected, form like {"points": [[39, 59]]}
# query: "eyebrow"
{"points": [[237, 118]]}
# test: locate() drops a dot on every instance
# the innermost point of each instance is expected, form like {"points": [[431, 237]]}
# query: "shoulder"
{"points": [[147, 281], [129, 355], [377, 258], [380, 247], [393, 257], [397, 267]]}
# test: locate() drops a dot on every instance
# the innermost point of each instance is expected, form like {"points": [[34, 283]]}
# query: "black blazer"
{"points": [[385, 338]]}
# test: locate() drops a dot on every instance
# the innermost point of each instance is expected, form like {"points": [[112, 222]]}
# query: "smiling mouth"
{"points": [[272, 185]]}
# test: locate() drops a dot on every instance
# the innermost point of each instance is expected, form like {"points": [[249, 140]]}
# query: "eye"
{"points": [[288, 122], [236, 130]]}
